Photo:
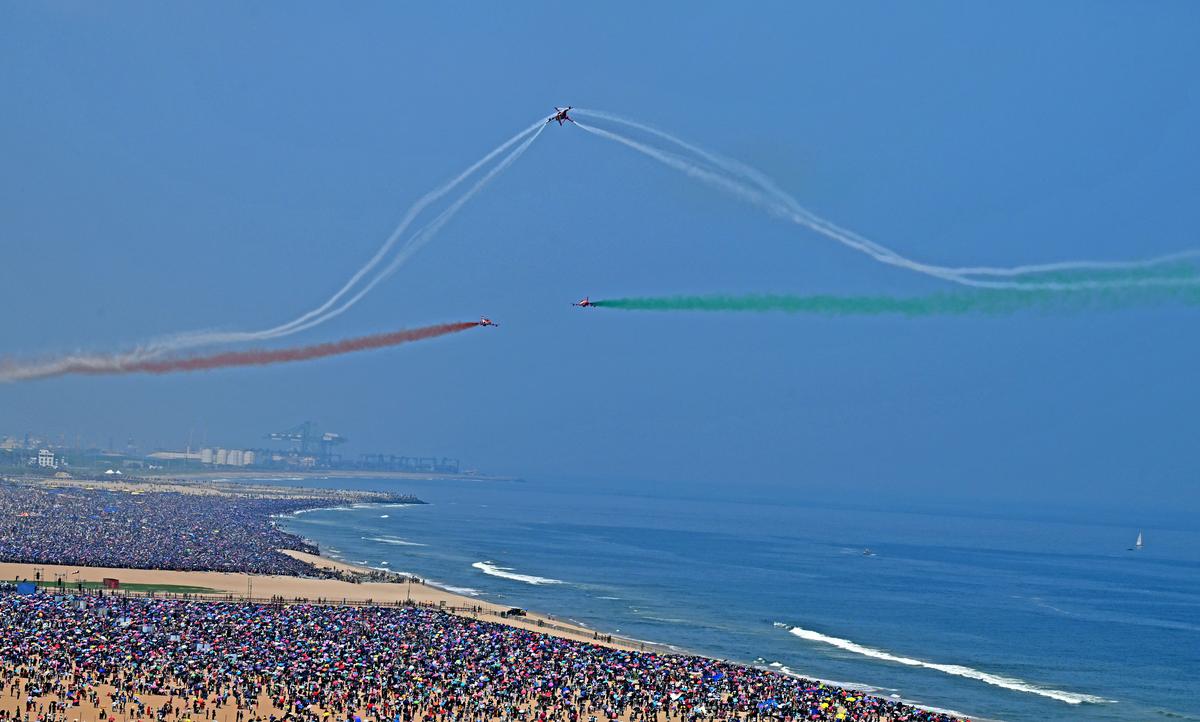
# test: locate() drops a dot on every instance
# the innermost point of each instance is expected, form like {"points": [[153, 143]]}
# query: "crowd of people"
{"points": [[95, 658], [162, 660], [154, 529]]}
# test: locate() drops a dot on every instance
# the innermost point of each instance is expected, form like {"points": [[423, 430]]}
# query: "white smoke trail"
{"points": [[770, 196], [319, 314], [424, 235], [759, 198], [21, 371], [737, 168], [28, 371]]}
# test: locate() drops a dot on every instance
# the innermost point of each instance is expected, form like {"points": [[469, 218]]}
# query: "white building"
{"points": [[45, 459], [176, 456], [226, 457]]}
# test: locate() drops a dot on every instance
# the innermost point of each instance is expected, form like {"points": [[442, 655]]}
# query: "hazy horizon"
{"points": [[174, 168]]}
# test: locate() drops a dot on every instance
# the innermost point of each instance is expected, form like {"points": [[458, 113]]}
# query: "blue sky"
{"points": [[184, 166]]}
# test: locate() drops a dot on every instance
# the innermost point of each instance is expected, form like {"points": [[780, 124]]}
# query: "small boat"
{"points": [[1137, 545], [868, 553]]}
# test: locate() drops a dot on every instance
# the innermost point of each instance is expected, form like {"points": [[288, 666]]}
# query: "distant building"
{"points": [[177, 456], [226, 457], [217, 456], [45, 459]]}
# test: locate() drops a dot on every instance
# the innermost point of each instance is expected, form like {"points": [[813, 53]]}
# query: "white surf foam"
{"points": [[393, 540], [663, 620], [465, 591], [867, 688], [383, 516], [1018, 685], [327, 508], [491, 569]]}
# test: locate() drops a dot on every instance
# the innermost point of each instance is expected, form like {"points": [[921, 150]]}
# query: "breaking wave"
{"points": [[393, 540], [300, 512], [465, 591], [958, 670], [491, 569]]}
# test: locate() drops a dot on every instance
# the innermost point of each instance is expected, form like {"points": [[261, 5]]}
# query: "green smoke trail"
{"points": [[998, 302]]}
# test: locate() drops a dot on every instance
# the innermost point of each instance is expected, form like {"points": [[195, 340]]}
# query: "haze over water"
{"points": [[996, 617]]}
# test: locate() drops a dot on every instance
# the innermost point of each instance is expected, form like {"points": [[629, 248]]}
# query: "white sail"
{"points": [[1138, 544]]}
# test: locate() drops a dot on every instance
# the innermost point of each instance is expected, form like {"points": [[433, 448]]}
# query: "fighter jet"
{"points": [[585, 303], [560, 114], [485, 321]]}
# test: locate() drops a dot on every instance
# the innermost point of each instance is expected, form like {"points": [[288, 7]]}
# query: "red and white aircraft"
{"points": [[485, 321], [585, 303], [560, 114]]}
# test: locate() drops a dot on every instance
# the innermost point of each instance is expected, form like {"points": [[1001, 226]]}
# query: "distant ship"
{"points": [[868, 553], [1137, 545]]}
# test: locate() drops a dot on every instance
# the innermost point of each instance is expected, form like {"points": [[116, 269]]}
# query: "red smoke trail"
{"points": [[228, 359]]}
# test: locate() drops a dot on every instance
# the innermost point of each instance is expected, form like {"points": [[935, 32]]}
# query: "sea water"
{"points": [[996, 618]]}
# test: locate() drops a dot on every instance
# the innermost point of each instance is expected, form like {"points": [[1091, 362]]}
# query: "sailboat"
{"points": [[1137, 545]]}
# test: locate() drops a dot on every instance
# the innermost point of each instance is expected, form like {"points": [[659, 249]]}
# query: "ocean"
{"points": [[995, 618]]}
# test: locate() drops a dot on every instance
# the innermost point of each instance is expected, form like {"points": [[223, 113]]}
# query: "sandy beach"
{"points": [[218, 614], [325, 591], [212, 500]]}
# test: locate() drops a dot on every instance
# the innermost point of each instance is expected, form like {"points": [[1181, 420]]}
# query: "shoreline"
{"points": [[258, 588], [358, 585], [465, 600], [300, 475], [533, 620], [629, 643], [261, 587]]}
